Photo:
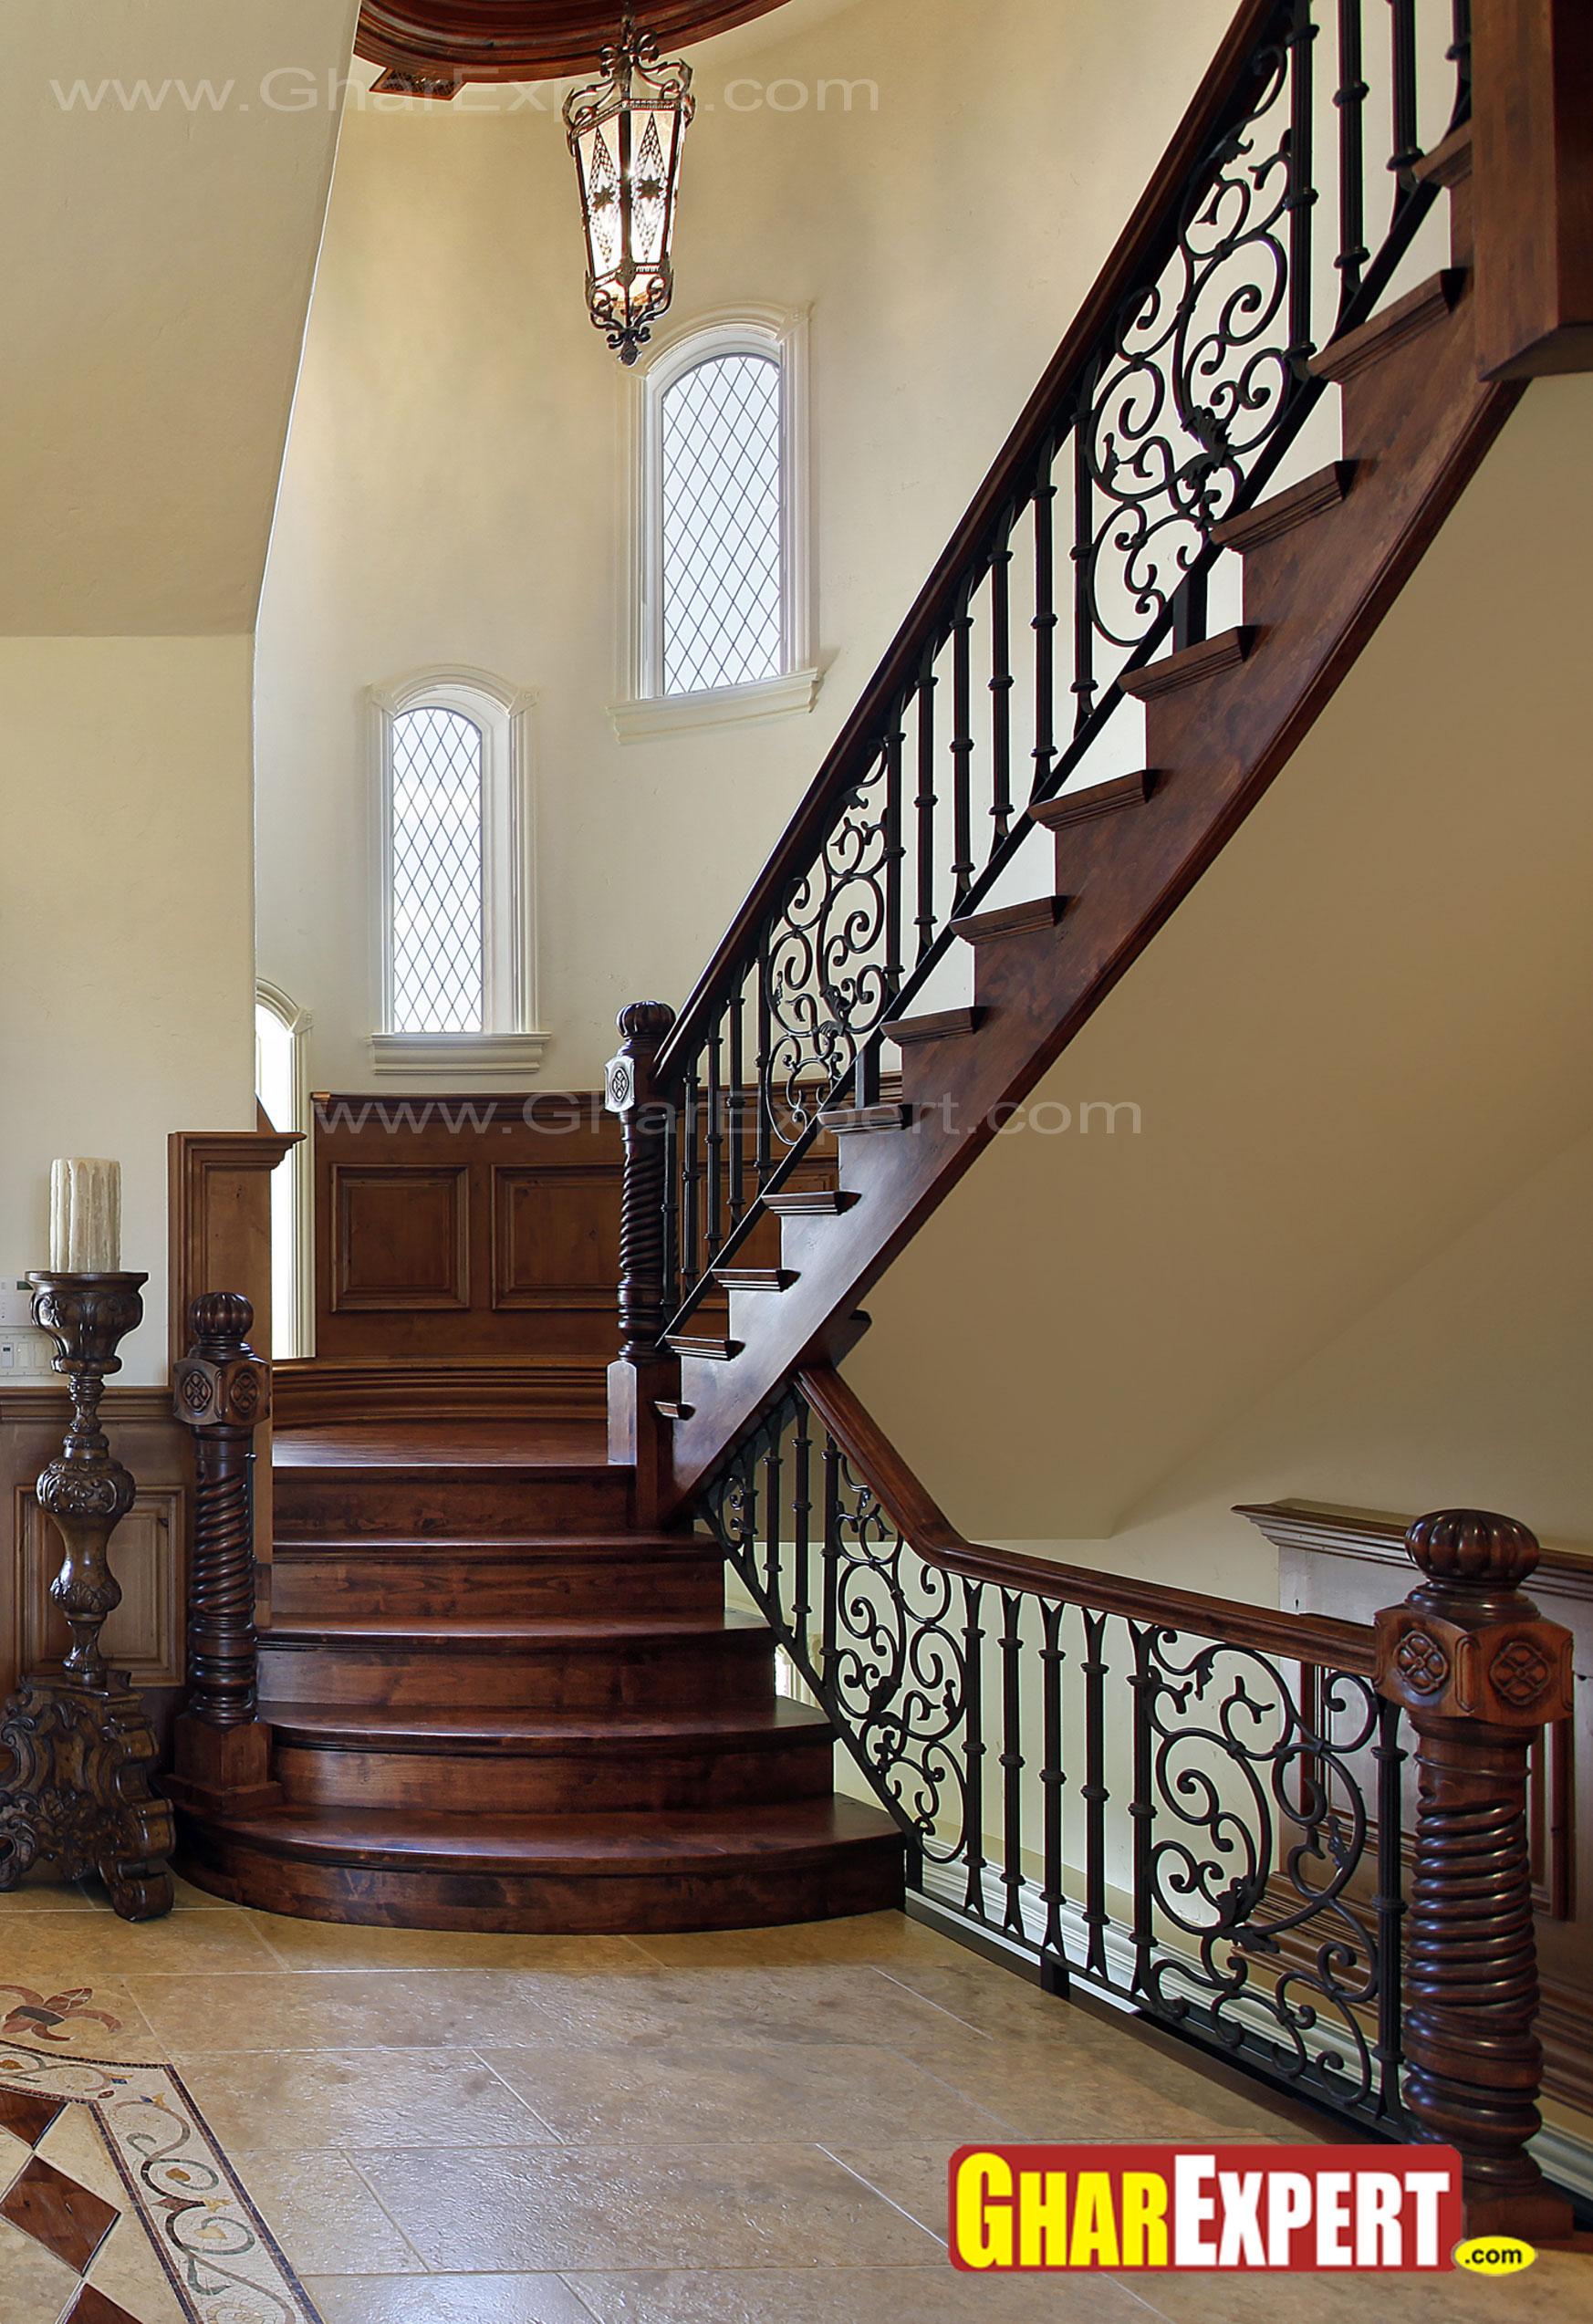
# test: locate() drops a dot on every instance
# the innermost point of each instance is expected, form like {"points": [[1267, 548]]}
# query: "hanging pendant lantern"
{"points": [[627, 132]]}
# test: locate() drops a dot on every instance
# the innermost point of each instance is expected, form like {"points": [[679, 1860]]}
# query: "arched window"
{"points": [[455, 968], [722, 622]]}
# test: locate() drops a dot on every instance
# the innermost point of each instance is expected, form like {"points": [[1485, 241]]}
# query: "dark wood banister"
{"points": [[1141, 247], [1316, 1639]]}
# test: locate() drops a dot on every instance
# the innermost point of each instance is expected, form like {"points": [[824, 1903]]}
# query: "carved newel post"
{"points": [[80, 1746], [645, 1369], [1480, 1673], [222, 1390]]}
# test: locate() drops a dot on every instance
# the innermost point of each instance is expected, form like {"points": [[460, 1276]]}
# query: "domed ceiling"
{"points": [[431, 47]]}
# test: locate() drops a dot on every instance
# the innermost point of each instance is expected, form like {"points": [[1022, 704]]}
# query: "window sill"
{"points": [[445, 1053], [643, 721]]}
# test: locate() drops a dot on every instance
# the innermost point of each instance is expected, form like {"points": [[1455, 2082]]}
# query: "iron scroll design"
{"points": [[1206, 1831], [1094, 550]]}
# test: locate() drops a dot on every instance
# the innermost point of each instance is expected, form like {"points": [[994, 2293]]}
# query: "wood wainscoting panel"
{"points": [[1351, 1563], [401, 1239], [466, 1232]]}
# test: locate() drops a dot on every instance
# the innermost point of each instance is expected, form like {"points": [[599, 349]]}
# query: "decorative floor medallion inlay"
{"points": [[117, 2206]]}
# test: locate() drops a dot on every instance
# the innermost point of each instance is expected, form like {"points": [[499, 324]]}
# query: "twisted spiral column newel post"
{"points": [[1480, 1673], [222, 1392], [645, 1369]]}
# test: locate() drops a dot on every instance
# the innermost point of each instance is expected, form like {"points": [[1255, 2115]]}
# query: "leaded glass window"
{"points": [[722, 524], [439, 980]]}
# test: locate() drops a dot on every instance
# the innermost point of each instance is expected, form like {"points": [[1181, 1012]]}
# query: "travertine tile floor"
{"points": [[747, 2129]]}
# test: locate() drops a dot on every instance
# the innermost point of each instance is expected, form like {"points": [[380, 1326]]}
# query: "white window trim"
{"points": [[296, 1022], [513, 1041], [643, 711]]}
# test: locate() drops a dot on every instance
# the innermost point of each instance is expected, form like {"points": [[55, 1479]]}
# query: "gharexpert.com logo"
{"points": [[1309, 2209]]}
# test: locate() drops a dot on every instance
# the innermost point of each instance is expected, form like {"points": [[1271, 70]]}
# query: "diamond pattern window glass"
{"points": [[438, 910], [723, 522]]}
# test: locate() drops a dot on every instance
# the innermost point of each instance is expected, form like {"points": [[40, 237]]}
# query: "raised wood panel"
{"points": [[467, 1231], [401, 1239], [556, 1239]]}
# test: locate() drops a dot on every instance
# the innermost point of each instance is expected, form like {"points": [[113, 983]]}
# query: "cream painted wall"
{"points": [[1340, 1260], [453, 492], [126, 937]]}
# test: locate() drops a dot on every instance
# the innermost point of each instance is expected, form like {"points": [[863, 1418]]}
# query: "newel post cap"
{"points": [[644, 1026], [1466, 1645], [221, 1382]]}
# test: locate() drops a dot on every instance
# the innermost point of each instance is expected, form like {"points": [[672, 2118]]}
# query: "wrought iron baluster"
{"points": [[1142, 1688], [895, 849], [1300, 49], [973, 1742], [1094, 1793], [831, 1463], [962, 747], [1082, 555], [735, 1074], [1389, 1907], [672, 1207], [1012, 1762], [1045, 622], [772, 1525], [764, 1132], [801, 1529], [1001, 681], [1349, 97], [691, 1189], [713, 1197], [1407, 141], [924, 805], [1459, 54], [1052, 1780]]}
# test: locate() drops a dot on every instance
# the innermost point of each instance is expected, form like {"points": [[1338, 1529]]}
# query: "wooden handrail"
{"points": [[1316, 1639], [1144, 242]]}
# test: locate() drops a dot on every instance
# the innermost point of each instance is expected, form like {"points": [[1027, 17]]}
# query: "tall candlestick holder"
{"points": [[77, 1792]]}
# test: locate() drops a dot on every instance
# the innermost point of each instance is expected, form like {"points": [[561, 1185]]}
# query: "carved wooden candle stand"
{"points": [[81, 1747]]}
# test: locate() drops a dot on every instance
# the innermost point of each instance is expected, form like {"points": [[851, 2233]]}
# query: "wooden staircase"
{"points": [[497, 1703], [1323, 560]]}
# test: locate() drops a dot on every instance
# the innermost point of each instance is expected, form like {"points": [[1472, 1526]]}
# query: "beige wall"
{"points": [[126, 936], [453, 489], [1347, 1256]]}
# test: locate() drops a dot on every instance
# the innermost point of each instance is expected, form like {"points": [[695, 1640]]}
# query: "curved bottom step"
{"points": [[597, 1875]]}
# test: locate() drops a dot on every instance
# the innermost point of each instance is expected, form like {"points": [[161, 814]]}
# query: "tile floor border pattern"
{"points": [[224, 2266]]}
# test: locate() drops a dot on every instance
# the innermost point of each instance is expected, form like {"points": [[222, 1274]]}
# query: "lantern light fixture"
{"points": [[627, 132]]}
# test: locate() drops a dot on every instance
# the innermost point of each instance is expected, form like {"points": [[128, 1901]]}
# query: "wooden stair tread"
{"points": [[532, 1449], [936, 1025], [1430, 302], [474, 1731], [755, 1279], [809, 1201], [437, 1549], [467, 1635], [1269, 520], [1097, 798], [704, 1346], [851, 1120], [1023, 919], [1208, 659], [675, 1842]]}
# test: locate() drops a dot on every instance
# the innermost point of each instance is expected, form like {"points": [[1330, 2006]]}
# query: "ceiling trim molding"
{"points": [[433, 48]]}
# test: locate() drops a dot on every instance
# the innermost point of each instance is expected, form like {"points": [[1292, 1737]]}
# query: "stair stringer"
{"points": [[1417, 422]]}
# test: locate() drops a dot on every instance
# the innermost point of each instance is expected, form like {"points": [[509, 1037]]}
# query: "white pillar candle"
{"points": [[85, 1216]]}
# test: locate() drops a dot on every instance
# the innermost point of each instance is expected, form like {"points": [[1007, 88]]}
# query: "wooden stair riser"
{"points": [[326, 1504], [745, 1891], [1417, 422], [580, 1781], [344, 1583], [649, 1673]]}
